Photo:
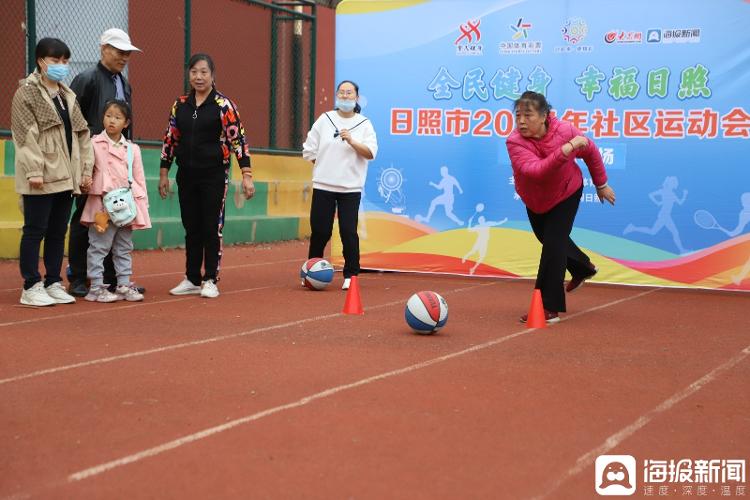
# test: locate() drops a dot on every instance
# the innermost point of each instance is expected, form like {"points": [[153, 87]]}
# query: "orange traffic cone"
{"points": [[353, 303], [536, 311]]}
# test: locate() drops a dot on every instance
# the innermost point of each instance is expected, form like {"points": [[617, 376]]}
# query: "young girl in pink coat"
{"points": [[111, 172]]}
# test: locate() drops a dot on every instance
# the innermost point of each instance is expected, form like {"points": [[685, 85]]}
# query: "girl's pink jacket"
{"points": [[111, 172], [542, 174]]}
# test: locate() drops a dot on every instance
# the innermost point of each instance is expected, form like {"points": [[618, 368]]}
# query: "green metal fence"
{"points": [[264, 54]]}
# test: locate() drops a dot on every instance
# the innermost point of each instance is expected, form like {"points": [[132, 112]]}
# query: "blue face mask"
{"points": [[57, 72], [345, 105]]}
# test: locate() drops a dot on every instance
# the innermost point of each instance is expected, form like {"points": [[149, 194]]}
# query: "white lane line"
{"points": [[172, 347], [587, 460], [166, 348], [121, 306], [190, 438]]}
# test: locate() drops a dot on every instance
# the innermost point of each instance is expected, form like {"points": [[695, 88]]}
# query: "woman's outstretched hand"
{"points": [[606, 193]]}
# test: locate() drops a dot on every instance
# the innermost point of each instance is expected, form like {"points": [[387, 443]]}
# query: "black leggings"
{"points": [[202, 193], [559, 252], [45, 217], [324, 205]]}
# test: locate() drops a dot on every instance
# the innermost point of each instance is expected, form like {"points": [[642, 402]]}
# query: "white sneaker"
{"points": [[59, 294], [185, 287], [209, 289], [347, 283], [101, 293], [129, 292], [37, 296]]}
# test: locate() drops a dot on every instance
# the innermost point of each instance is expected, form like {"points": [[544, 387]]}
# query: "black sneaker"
{"points": [[576, 282], [78, 289], [549, 317]]}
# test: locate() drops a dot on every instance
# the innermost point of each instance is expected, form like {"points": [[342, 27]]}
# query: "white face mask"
{"points": [[345, 105]]}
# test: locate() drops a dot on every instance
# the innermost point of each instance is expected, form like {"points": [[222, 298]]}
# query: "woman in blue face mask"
{"points": [[340, 144], [54, 160]]}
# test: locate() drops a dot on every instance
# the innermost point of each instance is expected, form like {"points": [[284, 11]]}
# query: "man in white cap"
{"points": [[94, 87]]}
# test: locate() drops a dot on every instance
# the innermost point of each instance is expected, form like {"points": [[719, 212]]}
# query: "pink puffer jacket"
{"points": [[543, 175]]}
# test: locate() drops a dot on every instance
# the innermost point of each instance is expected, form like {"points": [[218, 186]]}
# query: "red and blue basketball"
{"points": [[426, 312], [316, 273]]}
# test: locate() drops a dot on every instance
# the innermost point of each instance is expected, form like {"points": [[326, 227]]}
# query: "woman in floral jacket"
{"points": [[204, 130]]}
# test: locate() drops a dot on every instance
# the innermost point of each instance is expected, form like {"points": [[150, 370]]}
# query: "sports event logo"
{"points": [[615, 475], [390, 184], [467, 43], [622, 36], [520, 43], [674, 35], [573, 32], [520, 29], [653, 36], [681, 35]]}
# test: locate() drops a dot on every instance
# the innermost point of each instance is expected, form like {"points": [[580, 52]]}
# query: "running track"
{"points": [[270, 392]]}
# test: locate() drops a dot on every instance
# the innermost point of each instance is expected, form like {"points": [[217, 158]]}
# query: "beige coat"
{"points": [[39, 140]]}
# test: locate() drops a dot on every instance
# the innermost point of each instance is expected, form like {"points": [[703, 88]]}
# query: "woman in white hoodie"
{"points": [[340, 144]]}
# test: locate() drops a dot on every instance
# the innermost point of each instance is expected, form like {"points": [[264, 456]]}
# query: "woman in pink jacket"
{"points": [[542, 153]]}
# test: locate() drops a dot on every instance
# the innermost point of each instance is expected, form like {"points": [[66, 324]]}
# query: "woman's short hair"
{"points": [[533, 100], [196, 58], [50, 47]]}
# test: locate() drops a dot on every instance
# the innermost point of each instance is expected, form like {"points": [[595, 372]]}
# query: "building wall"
{"points": [[156, 74], [13, 42], [239, 40], [236, 34], [326, 60]]}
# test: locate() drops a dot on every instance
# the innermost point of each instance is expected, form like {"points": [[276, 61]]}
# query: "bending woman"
{"points": [[542, 153]]}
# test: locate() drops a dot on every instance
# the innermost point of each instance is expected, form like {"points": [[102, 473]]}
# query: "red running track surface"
{"points": [[270, 392]]}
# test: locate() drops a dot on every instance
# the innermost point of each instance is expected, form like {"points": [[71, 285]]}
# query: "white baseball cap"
{"points": [[117, 39]]}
